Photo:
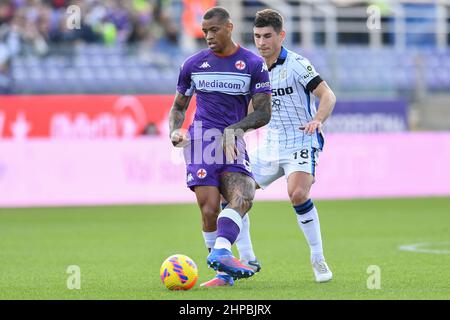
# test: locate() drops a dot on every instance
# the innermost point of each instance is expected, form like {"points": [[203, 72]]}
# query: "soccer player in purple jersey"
{"points": [[225, 78]]}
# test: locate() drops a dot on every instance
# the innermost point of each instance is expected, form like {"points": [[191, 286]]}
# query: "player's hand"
{"points": [[229, 145], [311, 127], [179, 138]]}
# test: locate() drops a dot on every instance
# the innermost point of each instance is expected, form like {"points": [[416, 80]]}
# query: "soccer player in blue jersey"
{"points": [[225, 78], [294, 136]]}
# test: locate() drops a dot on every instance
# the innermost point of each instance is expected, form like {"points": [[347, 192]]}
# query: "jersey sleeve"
{"points": [[260, 82], [185, 85], [306, 74]]}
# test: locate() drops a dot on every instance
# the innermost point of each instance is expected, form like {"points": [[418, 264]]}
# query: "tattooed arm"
{"points": [[262, 106], [176, 118]]}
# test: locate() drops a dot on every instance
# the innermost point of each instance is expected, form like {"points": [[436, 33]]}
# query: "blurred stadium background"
{"points": [[86, 86], [94, 70]]}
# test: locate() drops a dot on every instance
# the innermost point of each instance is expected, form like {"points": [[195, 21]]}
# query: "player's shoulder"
{"points": [[192, 59], [296, 60], [251, 56]]}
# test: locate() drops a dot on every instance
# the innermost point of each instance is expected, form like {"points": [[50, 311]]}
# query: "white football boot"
{"points": [[322, 272], [254, 264]]}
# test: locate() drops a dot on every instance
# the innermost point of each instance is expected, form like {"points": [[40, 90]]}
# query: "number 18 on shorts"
{"points": [[269, 164]]}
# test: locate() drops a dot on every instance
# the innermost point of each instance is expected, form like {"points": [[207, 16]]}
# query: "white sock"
{"points": [[210, 239], [310, 225], [222, 243], [244, 242]]}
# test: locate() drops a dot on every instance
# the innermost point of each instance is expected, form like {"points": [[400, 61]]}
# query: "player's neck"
{"points": [[272, 59], [229, 50]]}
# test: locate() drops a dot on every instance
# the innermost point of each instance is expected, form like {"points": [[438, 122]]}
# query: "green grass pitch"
{"points": [[120, 249]]}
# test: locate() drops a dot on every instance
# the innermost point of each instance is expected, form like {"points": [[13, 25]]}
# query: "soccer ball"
{"points": [[179, 272]]}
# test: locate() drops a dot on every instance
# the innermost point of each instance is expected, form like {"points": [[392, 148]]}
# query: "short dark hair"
{"points": [[269, 17], [220, 12]]}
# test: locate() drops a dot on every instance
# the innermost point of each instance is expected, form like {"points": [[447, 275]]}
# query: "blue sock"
{"points": [[304, 207]]}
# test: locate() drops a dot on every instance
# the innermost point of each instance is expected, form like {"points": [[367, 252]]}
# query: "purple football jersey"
{"points": [[224, 85]]}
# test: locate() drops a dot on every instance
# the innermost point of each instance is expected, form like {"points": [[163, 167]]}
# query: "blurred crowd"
{"points": [[103, 21], [32, 26], [40, 28]]}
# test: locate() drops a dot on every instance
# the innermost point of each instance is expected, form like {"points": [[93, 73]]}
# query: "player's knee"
{"points": [[248, 204], [299, 196], [241, 204]]}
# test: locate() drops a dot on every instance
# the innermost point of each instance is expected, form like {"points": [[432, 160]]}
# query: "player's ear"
{"points": [[283, 35], [230, 26]]}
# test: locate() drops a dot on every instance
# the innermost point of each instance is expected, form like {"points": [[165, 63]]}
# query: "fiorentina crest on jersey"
{"points": [[240, 65], [201, 173]]}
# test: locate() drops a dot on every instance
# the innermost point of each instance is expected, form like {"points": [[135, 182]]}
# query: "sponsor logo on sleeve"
{"points": [[261, 85], [310, 72]]}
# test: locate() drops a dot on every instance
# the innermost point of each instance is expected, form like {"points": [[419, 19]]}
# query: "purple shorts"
{"points": [[205, 163]]}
